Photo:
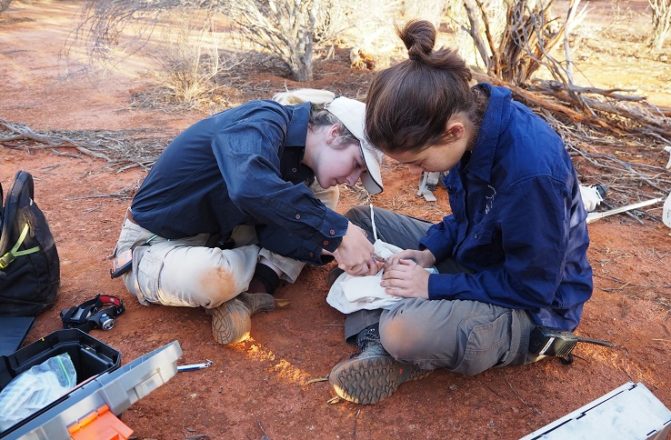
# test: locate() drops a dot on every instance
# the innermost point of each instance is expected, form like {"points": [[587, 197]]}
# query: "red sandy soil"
{"points": [[259, 387]]}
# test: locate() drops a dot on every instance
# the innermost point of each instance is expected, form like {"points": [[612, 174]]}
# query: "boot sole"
{"points": [[369, 380], [231, 322]]}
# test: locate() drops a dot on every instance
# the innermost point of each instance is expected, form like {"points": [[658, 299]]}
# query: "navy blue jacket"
{"points": [[241, 166], [518, 222]]}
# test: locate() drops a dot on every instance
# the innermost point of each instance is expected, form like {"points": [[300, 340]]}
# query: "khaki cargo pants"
{"points": [[185, 272], [466, 337]]}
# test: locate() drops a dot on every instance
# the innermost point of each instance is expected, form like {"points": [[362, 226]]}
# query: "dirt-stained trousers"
{"points": [[466, 337], [185, 272]]}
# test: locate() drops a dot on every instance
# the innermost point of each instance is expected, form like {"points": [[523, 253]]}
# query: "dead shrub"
{"points": [[285, 28], [661, 23], [4, 5], [190, 65]]}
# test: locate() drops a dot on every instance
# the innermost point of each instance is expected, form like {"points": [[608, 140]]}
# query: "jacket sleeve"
{"points": [[247, 154], [440, 238], [534, 227]]}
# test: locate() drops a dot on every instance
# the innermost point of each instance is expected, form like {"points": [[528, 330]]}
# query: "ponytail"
{"points": [[409, 103]]}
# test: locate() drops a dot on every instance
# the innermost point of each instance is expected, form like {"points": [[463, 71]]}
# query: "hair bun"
{"points": [[419, 37]]}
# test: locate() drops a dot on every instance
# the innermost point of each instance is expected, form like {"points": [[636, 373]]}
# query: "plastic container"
{"points": [[629, 412], [90, 357], [88, 412]]}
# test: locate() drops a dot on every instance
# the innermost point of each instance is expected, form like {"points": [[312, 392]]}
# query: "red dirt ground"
{"points": [[259, 387]]}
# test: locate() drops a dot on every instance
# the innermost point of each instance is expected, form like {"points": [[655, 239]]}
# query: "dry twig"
{"points": [[122, 149]]}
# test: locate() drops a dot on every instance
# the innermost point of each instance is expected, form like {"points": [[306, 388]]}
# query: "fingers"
{"points": [[400, 290], [402, 279], [411, 255], [370, 267], [397, 279], [358, 269], [394, 270], [355, 270], [391, 261], [354, 252]]}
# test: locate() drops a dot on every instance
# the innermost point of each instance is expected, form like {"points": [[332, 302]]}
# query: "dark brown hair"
{"points": [[409, 103]]}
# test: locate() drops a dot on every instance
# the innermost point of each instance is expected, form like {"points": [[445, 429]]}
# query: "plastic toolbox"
{"points": [[629, 412], [103, 391]]}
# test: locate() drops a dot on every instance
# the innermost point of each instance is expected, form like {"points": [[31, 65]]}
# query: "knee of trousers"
{"points": [[359, 214], [484, 345], [204, 277], [222, 281], [404, 339]]}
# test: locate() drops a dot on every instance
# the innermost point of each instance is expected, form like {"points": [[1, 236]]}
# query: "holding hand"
{"points": [[355, 253], [423, 258], [406, 278]]}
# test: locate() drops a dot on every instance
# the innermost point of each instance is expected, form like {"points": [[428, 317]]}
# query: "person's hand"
{"points": [[406, 278], [355, 253], [423, 258]]}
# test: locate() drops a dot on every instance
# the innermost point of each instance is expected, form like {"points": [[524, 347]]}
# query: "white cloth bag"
{"points": [[351, 293]]}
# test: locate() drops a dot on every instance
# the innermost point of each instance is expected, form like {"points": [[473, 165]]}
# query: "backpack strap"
{"points": [[14, 252], [2, 198]]}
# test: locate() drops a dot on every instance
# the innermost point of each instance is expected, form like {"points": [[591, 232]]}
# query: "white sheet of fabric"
{"points": [[351, 293]]}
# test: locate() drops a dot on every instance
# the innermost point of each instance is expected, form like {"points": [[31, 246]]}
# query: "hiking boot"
{"points": [[231, 321], [372, 374]]}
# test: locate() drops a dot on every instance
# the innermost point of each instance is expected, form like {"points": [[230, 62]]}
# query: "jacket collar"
{"points": [[291, 166], [493, 122], [298, 126]]}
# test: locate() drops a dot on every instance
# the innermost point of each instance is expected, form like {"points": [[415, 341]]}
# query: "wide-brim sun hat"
{"points": [[352, 114]]}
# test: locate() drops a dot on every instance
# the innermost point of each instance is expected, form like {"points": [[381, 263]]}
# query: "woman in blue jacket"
{"points": [[511, 256]]}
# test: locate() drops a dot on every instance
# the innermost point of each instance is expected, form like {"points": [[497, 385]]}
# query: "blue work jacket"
{"points": [[517, 223], [241, 166]]}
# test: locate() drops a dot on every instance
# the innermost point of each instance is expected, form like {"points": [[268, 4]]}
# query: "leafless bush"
{"points": [[293, 30], [189, 64], [285, 28], [4, 5], [187, 53], [661, 22], [368, 26], [103, 22], [529, 34], [461, 23]]}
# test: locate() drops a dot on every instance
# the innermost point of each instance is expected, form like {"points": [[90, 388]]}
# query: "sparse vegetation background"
{"points": [[661, 22], [4, 4], [93, 91]]}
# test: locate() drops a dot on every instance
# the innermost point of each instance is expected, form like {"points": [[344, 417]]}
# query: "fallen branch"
{"points": [[122, 149]]}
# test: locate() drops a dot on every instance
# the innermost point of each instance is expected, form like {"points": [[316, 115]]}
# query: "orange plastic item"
{"points": [[100, 425]]}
